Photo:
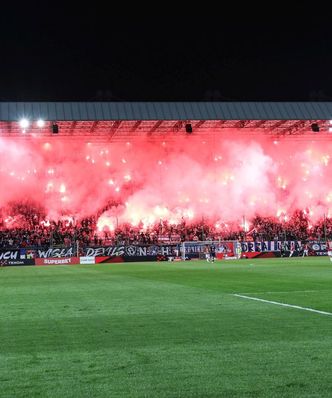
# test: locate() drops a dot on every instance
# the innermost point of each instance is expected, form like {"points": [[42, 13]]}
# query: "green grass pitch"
{"points": [[167, 330]]}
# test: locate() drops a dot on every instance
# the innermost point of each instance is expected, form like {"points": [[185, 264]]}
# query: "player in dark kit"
{"points": [[212, 252]]}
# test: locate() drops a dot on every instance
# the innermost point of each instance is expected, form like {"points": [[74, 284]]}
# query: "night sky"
{"points": [[84, 54]]}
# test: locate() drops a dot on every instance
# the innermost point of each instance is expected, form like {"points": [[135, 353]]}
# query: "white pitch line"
{"points": [[286, 292], [283, 304]]}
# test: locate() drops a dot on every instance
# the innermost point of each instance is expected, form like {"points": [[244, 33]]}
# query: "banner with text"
{"points": [[57, 261]]}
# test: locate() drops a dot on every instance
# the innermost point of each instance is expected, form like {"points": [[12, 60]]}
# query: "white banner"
{"points": [[87, 260]]}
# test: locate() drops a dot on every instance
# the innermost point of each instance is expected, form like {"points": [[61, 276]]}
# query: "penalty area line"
{"points": [[283, 304]]}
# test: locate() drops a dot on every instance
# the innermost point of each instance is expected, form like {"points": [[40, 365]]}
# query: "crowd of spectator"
{"points": [[28, 227]]}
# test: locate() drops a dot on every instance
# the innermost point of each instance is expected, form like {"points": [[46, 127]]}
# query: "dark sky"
{"points": [[49, 54]]}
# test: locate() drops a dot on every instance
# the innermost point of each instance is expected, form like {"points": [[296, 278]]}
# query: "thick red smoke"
{"points": [[219, 178]]}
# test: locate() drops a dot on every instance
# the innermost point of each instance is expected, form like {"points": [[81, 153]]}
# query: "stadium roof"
{"points": [[117, 121], [80, 111]]}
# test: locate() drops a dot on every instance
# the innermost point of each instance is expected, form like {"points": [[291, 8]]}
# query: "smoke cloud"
{"points": [[218, 179]]}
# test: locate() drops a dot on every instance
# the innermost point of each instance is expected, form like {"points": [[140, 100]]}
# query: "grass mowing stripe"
{"points": [[283, 304]]}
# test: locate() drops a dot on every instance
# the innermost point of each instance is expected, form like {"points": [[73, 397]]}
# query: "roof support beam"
{"points": [[199, 124], [258, 123], [136, 125], [177, 126], [155, 127], [94, 126], [114, 128], [72, 127], [278, 124]]}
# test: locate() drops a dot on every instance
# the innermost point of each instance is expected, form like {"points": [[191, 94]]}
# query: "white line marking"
{"points": [[284, 305], [286, 292]]}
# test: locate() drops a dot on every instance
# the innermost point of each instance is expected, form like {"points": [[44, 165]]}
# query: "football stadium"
{"points": [[166, 249]]}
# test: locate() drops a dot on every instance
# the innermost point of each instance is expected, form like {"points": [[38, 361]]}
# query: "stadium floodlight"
{"points": [[24, 123], [40, 123]]}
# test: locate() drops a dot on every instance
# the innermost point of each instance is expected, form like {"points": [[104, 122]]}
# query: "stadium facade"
{"points": [[269, 179]]}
